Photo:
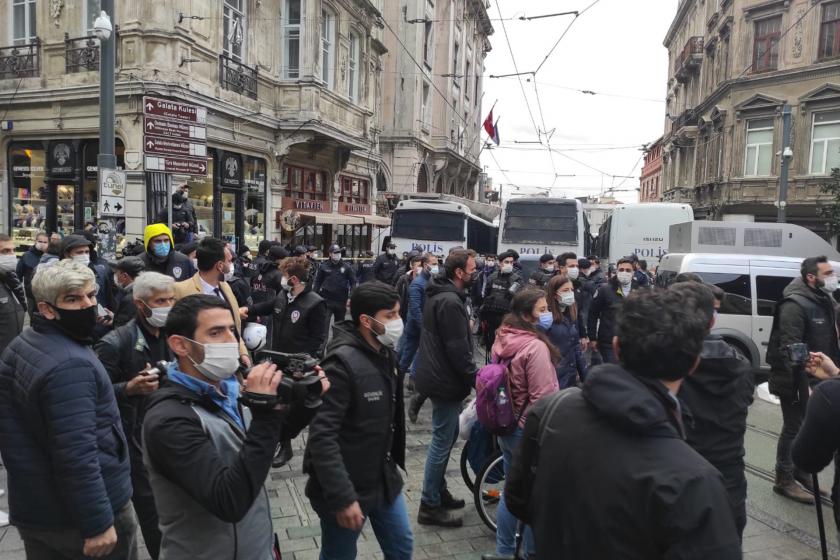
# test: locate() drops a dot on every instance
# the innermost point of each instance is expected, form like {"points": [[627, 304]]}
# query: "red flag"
{"points": [[489, 128]]}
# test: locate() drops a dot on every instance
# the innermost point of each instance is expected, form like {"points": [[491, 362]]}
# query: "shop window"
{"points": [[201, 198], [306, 184], [255, 186], [354, 191], [354, 239], [29, 195]]}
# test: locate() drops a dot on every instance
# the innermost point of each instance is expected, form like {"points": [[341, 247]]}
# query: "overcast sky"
{"points": [[614, 49]]}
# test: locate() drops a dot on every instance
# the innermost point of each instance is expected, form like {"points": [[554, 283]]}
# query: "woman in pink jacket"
{"points": [[532, 375]]}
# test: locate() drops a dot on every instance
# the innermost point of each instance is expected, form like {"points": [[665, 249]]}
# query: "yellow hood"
{"points": [[153, 230]]}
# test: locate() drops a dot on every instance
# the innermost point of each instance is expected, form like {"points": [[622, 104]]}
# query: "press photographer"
{"points": [[208, 456]]}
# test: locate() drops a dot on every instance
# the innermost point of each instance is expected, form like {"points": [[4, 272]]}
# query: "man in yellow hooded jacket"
{"points": [[161, 256]]}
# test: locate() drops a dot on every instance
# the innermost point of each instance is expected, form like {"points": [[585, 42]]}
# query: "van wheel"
{"points": [[739, 351]]}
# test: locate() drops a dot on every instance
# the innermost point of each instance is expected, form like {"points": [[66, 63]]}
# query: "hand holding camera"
{"points": [[821, 366], [147, 381]]}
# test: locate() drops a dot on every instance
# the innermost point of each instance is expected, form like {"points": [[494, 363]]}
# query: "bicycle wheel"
{"points": [[488, 488], [466, 471]]}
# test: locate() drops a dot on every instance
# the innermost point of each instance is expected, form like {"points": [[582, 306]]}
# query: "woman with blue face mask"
{"points": [[564, 331], [521, 342]]}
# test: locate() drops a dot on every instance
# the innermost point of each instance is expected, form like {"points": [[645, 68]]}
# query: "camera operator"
{"points": [[183, 224], [208, 456], [126, 353], [805, 315], [357, 438]]}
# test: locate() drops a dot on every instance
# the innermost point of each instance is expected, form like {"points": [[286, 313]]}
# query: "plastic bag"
{"points": [[466, 420]]}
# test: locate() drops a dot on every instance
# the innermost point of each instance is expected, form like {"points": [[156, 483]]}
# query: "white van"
{"points": [[753, 286]]}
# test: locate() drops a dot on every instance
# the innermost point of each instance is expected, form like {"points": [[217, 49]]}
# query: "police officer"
{"points": [[387, 266], [364, 272], [333, 282], [499, 291], [547, 269]]}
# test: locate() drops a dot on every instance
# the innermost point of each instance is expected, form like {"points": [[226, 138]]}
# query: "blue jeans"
{"points": [[408, 351], [505, 521], [444, 435], [390, 524]]}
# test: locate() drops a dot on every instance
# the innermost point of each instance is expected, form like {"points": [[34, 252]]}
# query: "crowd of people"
{"points": [[140, 403]]}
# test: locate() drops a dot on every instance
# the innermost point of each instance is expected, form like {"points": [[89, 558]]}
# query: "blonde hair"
{"points": [[50, 283]]}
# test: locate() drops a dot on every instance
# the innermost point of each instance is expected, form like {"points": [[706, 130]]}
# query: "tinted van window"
{"points": [[737, 288], [769, 291]]}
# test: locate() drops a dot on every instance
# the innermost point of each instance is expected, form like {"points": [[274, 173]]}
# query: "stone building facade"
{"points": [[431, 112], [650, 189], [290, 88], [733, 65]]}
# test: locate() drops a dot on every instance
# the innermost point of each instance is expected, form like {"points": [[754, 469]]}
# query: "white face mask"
{"points": [[507, 268], [573, 273], [84, 258], [117, 281], [221, 360], [159, 316], [40, 246], [830, 284], [194, 263], [8, 262], [391, 251], [418, 269], [229, 275], [393, 332], [284, 283], [625, 278], [336, 257], [566, 299], [549, 268], [434, 269]]}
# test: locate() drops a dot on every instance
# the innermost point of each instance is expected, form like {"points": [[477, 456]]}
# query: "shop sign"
{"points": [[174, 110], [353, 208], [183, 165], [301, 205], [61, 158], [231, 169]]}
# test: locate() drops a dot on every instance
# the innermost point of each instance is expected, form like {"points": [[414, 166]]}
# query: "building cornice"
{"points": [[682, 10]]}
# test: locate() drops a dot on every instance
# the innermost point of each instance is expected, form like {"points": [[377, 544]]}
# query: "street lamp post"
{"points": [[106, 159]]}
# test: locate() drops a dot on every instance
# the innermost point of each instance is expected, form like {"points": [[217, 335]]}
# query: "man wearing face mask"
{"points": [[215, 268], [28, 263], [125, 272], [414, 319], [126, 352], [183, 225], [207, 446], [79, 248], [805, 314], [60, 433], [357, 438], [415, 267], [387, 266], [161, 256], [540, 277], [333, 282], [500, 289], [446, 374], [12, 297], [300, 323], [605, 305]]}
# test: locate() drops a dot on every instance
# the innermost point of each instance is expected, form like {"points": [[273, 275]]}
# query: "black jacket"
{"points": [[124, 352], [265, 284], [179, 216], [499, 292], [804, 315], [357, 438], [334, 281], [818, 438], [297, 327], [364, 272], [12, 307], [241, 289], [539, 278], [386, 268], [445, 366], [26, 266], [403, 283], [615, 479], [124, 309], [177, 265], [601, 320]]}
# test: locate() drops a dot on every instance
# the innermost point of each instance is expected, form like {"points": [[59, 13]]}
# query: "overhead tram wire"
{"points": [[550, 52]]}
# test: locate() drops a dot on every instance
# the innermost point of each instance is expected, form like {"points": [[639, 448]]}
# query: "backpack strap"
{"points": [[556, 399]]}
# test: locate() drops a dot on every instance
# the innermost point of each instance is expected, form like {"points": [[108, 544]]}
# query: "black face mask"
{"points": [[78, 324], [469, 280]]}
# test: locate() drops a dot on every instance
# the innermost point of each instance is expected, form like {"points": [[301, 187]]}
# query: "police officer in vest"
{"points": [[499, 291], [545, 272], [805, 314], [334, 281]]}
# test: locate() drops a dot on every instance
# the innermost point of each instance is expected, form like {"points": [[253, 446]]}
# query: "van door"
{"points": [[768, 284], [736, 313]]}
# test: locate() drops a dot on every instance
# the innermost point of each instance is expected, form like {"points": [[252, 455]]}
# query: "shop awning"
{"points": [[335, 219], [379, 221]]}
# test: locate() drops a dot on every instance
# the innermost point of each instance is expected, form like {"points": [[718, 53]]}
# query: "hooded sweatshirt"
{"points": [[531, 372]]}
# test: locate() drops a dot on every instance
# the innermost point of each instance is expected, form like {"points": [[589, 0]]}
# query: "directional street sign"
{"points": [[174, 110], [173, 129], [171, 147], [188, 166], [112, 185]]}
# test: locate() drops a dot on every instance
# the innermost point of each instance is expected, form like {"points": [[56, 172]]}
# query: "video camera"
{"points": [[798, 353], [301, 383]]}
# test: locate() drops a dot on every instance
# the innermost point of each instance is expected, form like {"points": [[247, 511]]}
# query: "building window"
{"points": [[766, 44], [306, 184], [92, 10], [291, 31], [456, 55], [327, 46], [830, 31], [427, 42], [759, 153], [424, 108], [352, 68], [234, 21], [468, 70], [354, 191], [825, 143], [23, 21]]}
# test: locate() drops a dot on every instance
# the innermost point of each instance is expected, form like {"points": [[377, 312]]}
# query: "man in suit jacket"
{"points": [[215, 268]]}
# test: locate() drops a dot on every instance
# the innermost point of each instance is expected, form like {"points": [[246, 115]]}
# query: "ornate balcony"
{"points": [[686, 119], [689, 59], [81, 54], [237, 77], [20, 61]]}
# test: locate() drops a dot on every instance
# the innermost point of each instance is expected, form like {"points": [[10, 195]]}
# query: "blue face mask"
{"points": [[546, 320], [161, 250]]}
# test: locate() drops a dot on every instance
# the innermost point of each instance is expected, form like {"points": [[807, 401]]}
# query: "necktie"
{"points": [[218, 292]]}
